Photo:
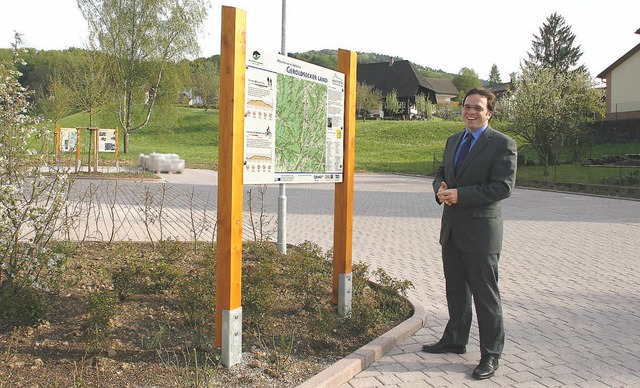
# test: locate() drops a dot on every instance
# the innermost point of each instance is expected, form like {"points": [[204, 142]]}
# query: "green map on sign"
{"points": [[301, 125]]}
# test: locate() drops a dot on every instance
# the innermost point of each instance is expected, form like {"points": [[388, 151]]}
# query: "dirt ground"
{"points": [[146, 341]]}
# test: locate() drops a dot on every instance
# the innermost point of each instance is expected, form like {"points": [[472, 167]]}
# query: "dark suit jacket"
{"points": [[486, 177]]}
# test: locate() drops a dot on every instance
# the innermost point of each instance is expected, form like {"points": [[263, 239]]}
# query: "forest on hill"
{"points": [[40, 65]]}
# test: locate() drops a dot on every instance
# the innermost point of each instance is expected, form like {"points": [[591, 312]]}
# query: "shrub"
{"points": [[22, 306], [151, 275], [30, 202], [102, 308], [197, 300], [309, 270], [258, 287]]}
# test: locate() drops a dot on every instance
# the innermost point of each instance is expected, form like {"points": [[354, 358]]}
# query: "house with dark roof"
{"points": [[404, 77], [622, 90], [499, 90]]}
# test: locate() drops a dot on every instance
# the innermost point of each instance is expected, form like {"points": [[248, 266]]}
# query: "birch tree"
{"points": [[140, 38]]}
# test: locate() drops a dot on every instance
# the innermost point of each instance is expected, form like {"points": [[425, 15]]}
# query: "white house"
{"points": [[622, 80]]}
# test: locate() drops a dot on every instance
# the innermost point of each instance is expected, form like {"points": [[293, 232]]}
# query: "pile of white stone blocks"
{"points": [[161, 163]]}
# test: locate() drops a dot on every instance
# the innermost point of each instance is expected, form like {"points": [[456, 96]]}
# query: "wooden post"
{"points": [[117, 148], [96, 132], [58, 143], [230, 174], [343, 217]]}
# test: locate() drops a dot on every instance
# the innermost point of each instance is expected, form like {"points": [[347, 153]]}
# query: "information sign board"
{"points": [[294, 118]]}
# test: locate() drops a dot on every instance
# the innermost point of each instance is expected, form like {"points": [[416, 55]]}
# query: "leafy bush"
{"points": [[197, 300], [308, 268], [258, 288], [148, 271], [102, 309], [22, 306], [447, 112], [374, 303]]}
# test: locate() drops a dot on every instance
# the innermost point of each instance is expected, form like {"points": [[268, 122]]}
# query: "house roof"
{"points": [[617, 63], [402, 76], [439, 85], [621, 60], [501, 87]]}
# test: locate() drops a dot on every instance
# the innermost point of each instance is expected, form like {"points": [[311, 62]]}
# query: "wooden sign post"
{"points": [[230, 187], [230, 170], [343, 204]]}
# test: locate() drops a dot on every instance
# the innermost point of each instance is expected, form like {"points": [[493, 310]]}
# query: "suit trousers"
{"points": [[473, 276]]}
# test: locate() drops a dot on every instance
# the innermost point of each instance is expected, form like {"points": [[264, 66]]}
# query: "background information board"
{"points": [[294, 117]]}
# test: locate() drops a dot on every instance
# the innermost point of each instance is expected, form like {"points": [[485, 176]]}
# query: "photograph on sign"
{"points": [[294, 117]]}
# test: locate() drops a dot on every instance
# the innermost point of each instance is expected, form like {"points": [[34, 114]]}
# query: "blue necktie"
{"points": [[464, 150]]}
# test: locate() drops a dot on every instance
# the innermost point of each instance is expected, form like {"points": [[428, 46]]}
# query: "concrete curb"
{"points": [[345, 369]]}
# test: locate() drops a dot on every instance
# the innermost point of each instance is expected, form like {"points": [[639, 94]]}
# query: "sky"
{"points": [[442, 35]]}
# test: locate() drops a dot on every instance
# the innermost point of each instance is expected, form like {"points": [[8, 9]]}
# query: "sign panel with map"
{"points": [[293, 124]]}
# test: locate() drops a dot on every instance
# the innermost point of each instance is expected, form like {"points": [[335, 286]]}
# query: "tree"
{"points": [[465, 80], [205, 78], [90, 82], [494, 76], [554, 47], [368, 99], [391, 102], [424, 106], [140, 37], [549, 109], [56, 99]]}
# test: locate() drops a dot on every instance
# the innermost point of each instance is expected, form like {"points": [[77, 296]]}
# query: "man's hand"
{"points": [[446, 195]]}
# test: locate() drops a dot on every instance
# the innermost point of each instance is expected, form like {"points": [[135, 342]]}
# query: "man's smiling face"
{"points": [[475, 113]]}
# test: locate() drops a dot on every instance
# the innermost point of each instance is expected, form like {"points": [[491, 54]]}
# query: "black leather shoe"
{"points": [[486, 368], [444, 347]]}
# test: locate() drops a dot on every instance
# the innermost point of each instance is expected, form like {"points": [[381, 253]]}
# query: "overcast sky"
{"points": [[443, 35]]}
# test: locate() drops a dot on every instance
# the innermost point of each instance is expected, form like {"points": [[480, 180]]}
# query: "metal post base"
{"points": [[231, 337], [344, 294]]}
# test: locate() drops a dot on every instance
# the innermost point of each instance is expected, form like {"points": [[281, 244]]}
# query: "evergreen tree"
{"points": [[494, 76], [554, 47]]}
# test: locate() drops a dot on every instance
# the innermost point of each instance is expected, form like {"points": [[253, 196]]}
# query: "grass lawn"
{"points": [[406, 147], [190, 133]]}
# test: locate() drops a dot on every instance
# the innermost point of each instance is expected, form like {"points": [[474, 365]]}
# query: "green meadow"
{"points": [[406, 147]]}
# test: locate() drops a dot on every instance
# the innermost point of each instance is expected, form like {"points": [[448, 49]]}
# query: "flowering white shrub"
{"points": [[32, 194]]}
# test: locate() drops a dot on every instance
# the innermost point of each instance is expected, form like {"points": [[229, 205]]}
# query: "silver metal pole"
{"points": [[284, 23], [282, 218], [282, 189]]}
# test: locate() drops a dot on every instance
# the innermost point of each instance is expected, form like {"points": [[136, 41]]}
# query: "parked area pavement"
{"points": [[569, 273]]}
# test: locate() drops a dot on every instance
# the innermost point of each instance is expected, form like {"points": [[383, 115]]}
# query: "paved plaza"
{"points": [[569, 272]]}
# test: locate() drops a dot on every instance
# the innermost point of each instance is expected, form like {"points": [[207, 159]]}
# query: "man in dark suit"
{"points": [[478, 171]]}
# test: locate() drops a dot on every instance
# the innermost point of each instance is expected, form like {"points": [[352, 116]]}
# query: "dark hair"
{"points": [[491, 98]]}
